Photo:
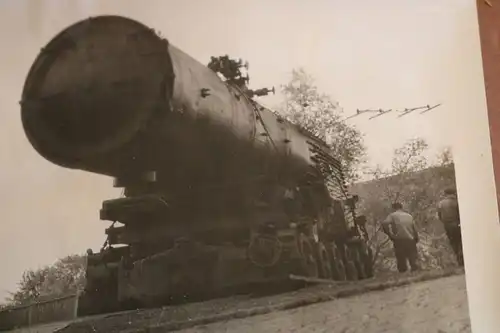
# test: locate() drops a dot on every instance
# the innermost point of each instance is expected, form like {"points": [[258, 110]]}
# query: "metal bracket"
{"points": [[204, 92]]}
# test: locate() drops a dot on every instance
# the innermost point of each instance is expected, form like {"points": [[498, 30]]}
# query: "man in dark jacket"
{"points": [[401, 229], [448, 214]]}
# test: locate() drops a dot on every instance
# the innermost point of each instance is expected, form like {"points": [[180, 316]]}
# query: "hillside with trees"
{"points": [[418, 184]]}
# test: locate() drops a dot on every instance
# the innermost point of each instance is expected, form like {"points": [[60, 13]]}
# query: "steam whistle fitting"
{"points": [[262, 91]]}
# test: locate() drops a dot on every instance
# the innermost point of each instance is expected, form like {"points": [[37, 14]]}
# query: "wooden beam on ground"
{"points": [[316, 280]]}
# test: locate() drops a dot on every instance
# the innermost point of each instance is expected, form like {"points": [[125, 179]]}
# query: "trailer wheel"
{"points": [[325, 260], [308, 257], [364, 262], [338, 267], [368, 262], [359, 261], [350, 266]]}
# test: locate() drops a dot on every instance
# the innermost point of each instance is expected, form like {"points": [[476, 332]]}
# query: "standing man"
{"points": [[448, 214], [401, 229]]}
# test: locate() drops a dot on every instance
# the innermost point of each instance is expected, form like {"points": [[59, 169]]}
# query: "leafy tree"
{"points": [[418, 185], [445, 157], [64, 277], [304, 105]]}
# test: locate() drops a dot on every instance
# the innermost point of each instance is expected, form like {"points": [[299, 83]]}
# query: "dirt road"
{"points": [[438, 306]]}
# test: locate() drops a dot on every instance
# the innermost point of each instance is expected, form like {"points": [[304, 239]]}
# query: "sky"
{"points": [[365, 54]]}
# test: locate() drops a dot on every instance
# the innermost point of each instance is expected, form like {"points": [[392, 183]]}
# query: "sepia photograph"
{"points": [[226, 166]]}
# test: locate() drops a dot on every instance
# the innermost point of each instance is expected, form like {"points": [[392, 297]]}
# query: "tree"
{"points": [[418, 185], [305, 106], [445, 157], [65, 277]]}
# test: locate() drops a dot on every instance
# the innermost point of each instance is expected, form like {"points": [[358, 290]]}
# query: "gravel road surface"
{"points": [[438, 306]]}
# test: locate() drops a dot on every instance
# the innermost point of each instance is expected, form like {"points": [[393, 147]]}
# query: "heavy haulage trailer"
{"points": [[204, 169]]}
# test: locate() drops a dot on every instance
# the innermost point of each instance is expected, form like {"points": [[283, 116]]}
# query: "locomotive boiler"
{"points": [[219, 192]]}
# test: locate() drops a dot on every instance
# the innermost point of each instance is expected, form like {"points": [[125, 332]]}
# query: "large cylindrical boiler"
{"points": [[105, 86]]}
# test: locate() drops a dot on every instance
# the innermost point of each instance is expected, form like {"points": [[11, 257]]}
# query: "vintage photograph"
{"points": [[230, 166]]}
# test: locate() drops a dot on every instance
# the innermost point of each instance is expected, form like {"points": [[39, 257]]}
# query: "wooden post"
{"points": [[320, 281], [75, 308], [29, 314]]}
